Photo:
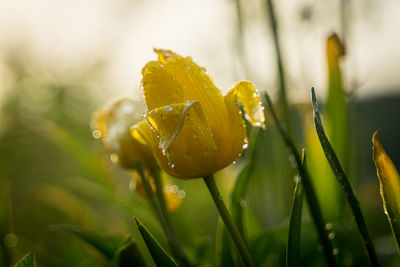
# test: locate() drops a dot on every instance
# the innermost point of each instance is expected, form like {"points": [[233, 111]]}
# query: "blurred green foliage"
{"points": [[52, 171]]}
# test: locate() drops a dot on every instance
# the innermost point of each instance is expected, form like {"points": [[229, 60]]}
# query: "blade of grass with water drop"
{"points": [[389, 181], [344, 183], [159, 255], [309, 190], [293, 243], [27, 261]]}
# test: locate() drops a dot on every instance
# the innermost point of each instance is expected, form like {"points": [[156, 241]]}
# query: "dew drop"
{"points": [[97, 134], [331, 235], [234, 162], [181, 193], [114, 158], [245, 145], [297, 178], [328, 226], [10, 240], [174, 189], [335, 251]]}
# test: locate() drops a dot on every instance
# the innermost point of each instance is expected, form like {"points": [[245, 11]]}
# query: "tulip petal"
{"points": [[175, 79], [142, 133], [185, 138], [389, 180], [245, 93], [113, 123]]}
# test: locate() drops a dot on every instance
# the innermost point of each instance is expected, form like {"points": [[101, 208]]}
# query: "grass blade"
{"points": [[293, 244], [389, 181], [27, 261], [344, 183], [309, 190], [159, 255]]}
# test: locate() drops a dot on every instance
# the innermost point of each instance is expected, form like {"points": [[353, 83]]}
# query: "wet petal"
{"points": [[175, 79], [185, 138], [248, 97], [389, 179], [246, 94], [160, 87], [114, 121]]}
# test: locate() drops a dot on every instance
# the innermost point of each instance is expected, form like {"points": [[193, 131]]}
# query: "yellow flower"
{"points": [[112, 124], [194, 130]]}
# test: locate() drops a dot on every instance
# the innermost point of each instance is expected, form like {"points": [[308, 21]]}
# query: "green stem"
{"points": [[171, 233], [229, 224], [171, 238], [309, 190], [281, 71]]}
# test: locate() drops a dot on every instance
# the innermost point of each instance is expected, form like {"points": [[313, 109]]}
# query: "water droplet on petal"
{"points": [[245, 145]]}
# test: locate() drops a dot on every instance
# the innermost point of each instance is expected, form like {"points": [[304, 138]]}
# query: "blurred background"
{"points": [[62, 60]]}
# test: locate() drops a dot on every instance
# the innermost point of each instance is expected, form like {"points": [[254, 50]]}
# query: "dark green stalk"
{"points": [[344, 183], [293, 244], [281, 72], [309, 190], [174, 238], [171, 237], [229, 224]]}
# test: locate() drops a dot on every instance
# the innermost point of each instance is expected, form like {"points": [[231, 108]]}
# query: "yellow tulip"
{"points": [[194, 130], [112, 124]]}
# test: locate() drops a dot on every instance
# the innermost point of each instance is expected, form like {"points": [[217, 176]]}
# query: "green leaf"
{"points": [[389, 181], [267, 243], [309, 189], [159, 255], [105, 244], [344, 182], [27, 261], [293, 243], [81, 154]]}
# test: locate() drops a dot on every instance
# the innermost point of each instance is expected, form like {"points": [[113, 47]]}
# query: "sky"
{"points": [[64, 34]]}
